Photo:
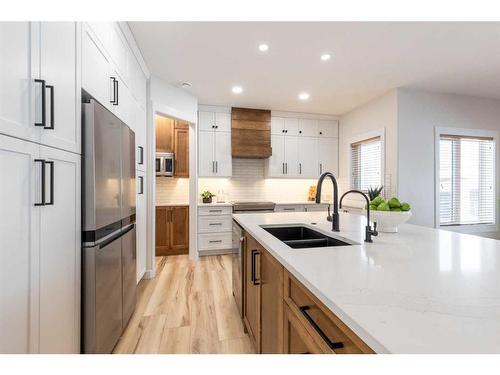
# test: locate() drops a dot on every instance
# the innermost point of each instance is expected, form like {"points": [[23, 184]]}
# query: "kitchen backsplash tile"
{"points": [[172, 190], [249, 183]]}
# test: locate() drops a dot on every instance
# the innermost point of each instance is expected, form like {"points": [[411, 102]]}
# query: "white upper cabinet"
{"points": [[276, 162], [328, 128], [308, 127], [118, 50], [308, 157], [140, 137], [206, 154], [58, 67], [19, 65], [302, 147], [96, 72], [328, 155], [214, 121], [223, 158]]}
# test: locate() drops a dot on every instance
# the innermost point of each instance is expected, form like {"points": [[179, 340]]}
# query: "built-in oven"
{"points": [[164, 164]]}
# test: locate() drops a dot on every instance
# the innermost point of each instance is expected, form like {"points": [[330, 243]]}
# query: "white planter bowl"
{"points": [[388, 221]]}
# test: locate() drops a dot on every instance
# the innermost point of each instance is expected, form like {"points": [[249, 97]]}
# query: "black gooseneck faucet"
{"points": [[335, 214], [369, 232]]}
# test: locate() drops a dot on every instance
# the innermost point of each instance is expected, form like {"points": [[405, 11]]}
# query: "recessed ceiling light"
{"points": [[237, 89], [304, 96], [186, 84], [326, 57], [263, 47]]}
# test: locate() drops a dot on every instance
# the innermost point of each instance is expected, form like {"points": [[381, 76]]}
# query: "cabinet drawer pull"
{"points": [[51, 195], [253, 277], [214, 210], [141, 184], [141, 156], [215, 241], [51, 88], [288, 209], [42, 82], [333, 345], [42, 164], [215, 224]]}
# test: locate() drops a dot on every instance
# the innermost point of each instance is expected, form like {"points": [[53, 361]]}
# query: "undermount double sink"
{"points": [[302, 237]]}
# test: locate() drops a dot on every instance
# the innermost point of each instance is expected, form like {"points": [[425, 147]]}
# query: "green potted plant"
{"points": [[207, 196]]}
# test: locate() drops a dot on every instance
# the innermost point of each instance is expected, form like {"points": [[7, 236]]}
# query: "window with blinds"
{"points": [[366, 164], [466, 180]]}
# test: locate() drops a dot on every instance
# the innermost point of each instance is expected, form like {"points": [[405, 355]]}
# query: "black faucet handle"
{"points": [[374, 232]]}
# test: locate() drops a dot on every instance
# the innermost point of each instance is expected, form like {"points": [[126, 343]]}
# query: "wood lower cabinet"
{"points": [[282, 316], [271, 309], [172, 230], [251, 315]]}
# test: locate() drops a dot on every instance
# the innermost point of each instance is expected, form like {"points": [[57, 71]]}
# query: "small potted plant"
{"points": [[207, 196]]}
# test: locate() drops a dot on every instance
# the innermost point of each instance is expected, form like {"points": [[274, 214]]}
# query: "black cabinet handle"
{"points": [[332, 344], [116, 87], [286, 168], [51, 202], [42, 81], [51, 88], [216, 167], [141, 184], [141, 155], [215, 241], [113, 99], [254, 278], [300, 168], [42, 203], [320, 168]]}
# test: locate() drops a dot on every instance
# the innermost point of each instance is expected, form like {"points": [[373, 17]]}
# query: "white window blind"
{"points": [[466, 180], [366, 164]]}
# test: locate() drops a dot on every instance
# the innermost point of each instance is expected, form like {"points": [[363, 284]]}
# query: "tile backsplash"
{"points": [[249, 183], [172, 190]]}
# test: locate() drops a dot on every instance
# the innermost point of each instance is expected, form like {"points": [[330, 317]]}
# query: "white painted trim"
{"points": [[465, 228], [302, 115], [361, 137], [213, 108]]}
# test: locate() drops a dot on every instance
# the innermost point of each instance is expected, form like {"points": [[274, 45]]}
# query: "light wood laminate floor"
{"points": [[187, 308]]}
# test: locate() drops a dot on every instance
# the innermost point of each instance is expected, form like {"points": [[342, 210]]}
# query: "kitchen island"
{"points": [[421, 290]]}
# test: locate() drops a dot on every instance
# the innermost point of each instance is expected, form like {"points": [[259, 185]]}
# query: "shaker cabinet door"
{"points": [[60, 242], [206, 157]]}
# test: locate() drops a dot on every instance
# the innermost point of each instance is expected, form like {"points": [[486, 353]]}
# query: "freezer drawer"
{"points": [[129, 276], [102, 304]]}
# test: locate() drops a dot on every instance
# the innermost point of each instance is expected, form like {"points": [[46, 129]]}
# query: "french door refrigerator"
{"points": [[109, 246]]}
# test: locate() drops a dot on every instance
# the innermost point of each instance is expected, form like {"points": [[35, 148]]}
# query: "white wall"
{"points": [[379, 113], [173, 100], [419, 113]]}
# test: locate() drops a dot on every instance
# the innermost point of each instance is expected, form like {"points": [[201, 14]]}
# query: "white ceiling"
{"points": [[368, 59]]}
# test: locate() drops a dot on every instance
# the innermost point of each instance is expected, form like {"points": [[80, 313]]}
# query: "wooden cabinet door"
{"points": [[60, 244], [164, 134], [162, 231], [58, 62], [296, 339], [179, 230], [271, 289], [181, 149], [252, 291]]}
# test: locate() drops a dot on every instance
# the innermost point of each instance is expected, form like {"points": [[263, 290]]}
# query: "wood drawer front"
{"points": [[207, 211], [214, 241], [320, 322], [211, 224], [296, 338]]}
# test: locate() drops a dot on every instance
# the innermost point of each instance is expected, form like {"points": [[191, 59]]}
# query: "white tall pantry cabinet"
{"points": [[43, 68]]}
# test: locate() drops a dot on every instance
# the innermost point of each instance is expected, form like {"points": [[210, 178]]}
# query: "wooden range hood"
{"points": [[250, 133]]}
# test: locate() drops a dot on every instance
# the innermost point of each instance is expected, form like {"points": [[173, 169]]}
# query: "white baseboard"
{"points": [[149, 274]]}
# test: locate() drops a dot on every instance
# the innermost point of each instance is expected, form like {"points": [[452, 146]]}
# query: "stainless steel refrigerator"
{"points": [[109, 246]]}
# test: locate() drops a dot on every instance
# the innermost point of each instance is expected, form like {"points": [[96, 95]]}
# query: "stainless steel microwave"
{"points": [[164, 164]]}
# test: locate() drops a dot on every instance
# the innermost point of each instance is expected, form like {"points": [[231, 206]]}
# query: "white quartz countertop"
{"points": [[421, 290]]}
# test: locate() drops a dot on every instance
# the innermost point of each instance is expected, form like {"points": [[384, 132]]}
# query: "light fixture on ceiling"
{"points": [[326, 57], [237, 89], [304, 96], [185, 84], [263, 47]]}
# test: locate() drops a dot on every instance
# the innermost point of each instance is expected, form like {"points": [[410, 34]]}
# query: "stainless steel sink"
{"points": [[302, 237]]}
